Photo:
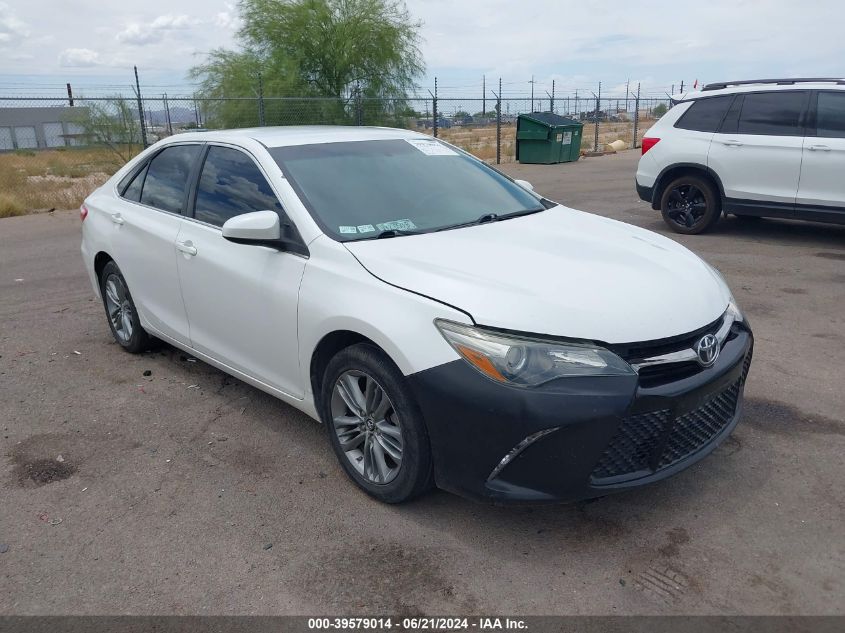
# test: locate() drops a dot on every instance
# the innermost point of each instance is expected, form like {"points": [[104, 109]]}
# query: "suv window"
{"points": [[231, 184], [167, 177], [830, 115], [705, 115], [772, 113]]}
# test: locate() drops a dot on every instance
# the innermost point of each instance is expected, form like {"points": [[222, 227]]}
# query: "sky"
{"points": [[93, 44]]}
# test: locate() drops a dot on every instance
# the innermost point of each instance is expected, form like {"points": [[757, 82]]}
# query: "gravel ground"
{"points": [[185, 491]]}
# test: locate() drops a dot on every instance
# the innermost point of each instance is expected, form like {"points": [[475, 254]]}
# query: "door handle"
{"points": [[819, 148], [117, 219], [186, 247], [732, 143]]}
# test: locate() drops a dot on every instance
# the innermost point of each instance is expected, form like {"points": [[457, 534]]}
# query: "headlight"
{"points": [[734, 311], [527, 362]]}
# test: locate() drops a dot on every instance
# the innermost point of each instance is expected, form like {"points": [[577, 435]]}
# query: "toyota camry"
{"points": [[449, 326]]}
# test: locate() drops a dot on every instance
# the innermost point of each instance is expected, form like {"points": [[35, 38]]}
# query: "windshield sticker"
{"points": [[432, 147], [366, 228], [347, 229], [397, 225]]}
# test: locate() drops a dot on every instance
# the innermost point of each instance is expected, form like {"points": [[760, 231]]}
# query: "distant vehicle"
{"points": [[757, 148], [447, 324]]}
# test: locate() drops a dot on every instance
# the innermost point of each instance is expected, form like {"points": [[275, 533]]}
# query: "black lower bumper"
{"points": [[575, 438], [646, 194]]}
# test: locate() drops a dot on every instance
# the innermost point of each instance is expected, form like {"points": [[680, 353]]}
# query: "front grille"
{"points": [[649, 442]]}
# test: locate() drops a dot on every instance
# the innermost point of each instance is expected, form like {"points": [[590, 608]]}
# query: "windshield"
{"points": [[365, 189]]}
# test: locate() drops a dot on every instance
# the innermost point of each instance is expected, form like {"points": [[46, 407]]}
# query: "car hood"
{"points": [[560, 272]]}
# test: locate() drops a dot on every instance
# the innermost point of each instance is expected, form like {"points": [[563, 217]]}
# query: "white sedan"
{"points": [[448, 325]]}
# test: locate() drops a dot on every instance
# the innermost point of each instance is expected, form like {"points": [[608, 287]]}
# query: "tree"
{"points": [[659, 110], [114, 124], [339, 49]]}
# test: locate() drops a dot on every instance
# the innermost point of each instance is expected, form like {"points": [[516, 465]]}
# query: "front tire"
{"points": [[121, 312], [374, 425], [690, 205]]}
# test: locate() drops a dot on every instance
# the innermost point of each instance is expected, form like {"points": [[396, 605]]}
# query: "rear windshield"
{"points": [[357, 190]]}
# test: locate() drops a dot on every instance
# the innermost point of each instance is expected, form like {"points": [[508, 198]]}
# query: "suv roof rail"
{"points": [[782, 82]]}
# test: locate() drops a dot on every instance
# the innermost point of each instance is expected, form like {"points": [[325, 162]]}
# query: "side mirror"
{"points": [[258, 226], [264, 228], [525, 184]]}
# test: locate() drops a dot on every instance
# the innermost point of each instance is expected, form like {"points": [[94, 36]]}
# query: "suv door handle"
{"points": [[117, 219], [186, 247], [819, 148], [732, 143]]}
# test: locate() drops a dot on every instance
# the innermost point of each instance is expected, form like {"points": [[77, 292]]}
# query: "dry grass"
{"points": [[481, 141], [52, 179]]}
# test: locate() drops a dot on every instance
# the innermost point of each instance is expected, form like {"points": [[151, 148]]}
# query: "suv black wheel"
{"points": [[690, 205], [121, 312], [374, 425]]}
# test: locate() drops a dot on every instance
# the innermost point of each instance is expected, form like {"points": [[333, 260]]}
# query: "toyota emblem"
{"points": [[707, 350]]}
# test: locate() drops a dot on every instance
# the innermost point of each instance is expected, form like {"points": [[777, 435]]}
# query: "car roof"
{"points": [[283, 136], [716, 89]]}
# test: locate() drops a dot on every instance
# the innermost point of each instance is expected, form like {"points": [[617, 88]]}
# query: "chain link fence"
{"points": [[53, 151]]}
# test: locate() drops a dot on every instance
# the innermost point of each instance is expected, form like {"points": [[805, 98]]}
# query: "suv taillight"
{"points": [[649, 142], [83, 212]]}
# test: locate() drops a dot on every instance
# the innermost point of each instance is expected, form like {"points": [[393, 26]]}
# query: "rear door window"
{"points": [[772, 113], [167, 177], [231, 184], [133, 191], [830, 115], [705, 115]]}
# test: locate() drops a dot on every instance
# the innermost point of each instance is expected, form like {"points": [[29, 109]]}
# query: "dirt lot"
{"points": [[186, 491]]}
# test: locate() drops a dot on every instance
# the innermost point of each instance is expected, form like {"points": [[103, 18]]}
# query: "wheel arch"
{"points": [[100, 260], [669, 173], [327, 348]]}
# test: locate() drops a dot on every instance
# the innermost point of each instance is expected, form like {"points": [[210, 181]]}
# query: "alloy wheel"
{"points": [[686, 205], [119, 307], [367, 427]]}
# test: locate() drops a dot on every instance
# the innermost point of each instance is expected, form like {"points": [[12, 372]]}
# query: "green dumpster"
{"points": [[546, 138]]}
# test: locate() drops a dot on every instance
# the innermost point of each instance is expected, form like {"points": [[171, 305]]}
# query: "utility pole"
{"points": [[532, 92], [673, 89], [682, 86]]}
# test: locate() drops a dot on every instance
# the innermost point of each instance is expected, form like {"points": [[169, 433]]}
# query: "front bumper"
{"points": [[576, 438]]}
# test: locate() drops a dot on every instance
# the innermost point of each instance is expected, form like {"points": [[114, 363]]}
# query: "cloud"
{"points": [[12, 29], [79, 58], [149, 33]]}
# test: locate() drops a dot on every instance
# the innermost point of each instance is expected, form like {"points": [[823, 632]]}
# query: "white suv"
{"points": [[759, 148]]}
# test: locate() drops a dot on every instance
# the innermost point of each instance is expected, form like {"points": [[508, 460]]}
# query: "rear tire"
{"points": [[121, 313], [374, 425], [690, 205]]}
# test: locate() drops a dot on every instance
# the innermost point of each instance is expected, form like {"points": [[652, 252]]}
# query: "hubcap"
{"points": [[686, 205], [367, 426], [119, 308]]}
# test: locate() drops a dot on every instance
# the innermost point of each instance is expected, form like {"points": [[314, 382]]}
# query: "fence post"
{"points": [[483, 96], [636, 115], [359, 107], [552, 104], [140, 110], [499, 124], [167, 114], [69, 96], [434, 108], [596, 135], [261, 120]]}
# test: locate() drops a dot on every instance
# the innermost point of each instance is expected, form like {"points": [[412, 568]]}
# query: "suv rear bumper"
{"points": [[645, 193]]}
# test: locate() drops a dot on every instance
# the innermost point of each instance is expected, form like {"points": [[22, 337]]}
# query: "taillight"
{"points": [[649, 142], [83, 212]]}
